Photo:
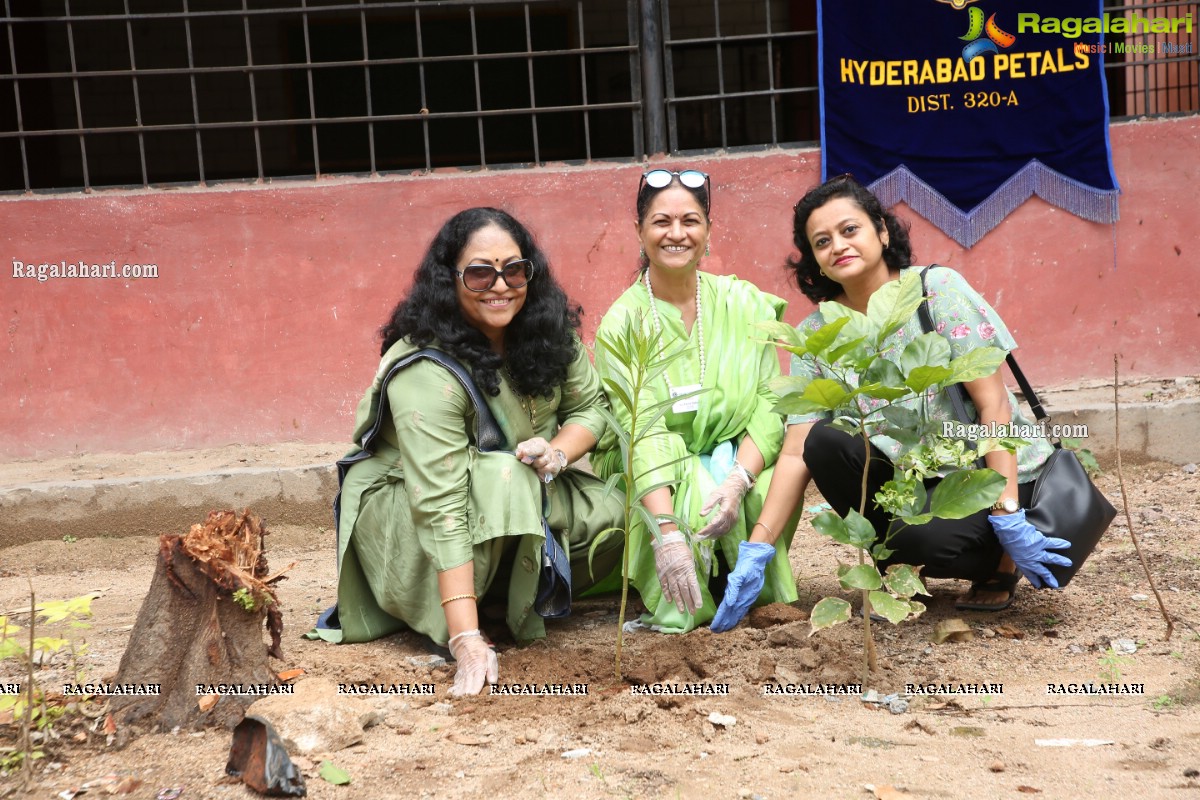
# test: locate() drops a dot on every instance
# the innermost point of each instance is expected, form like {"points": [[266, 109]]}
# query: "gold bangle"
{"points": [[765, 525], [459, 597]]}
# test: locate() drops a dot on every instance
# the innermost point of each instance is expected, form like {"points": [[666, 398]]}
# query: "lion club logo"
{"points": [[976, 28]]}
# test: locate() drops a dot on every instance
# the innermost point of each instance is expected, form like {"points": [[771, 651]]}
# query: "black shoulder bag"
{"points": [[1065, 502], [553, 599]]}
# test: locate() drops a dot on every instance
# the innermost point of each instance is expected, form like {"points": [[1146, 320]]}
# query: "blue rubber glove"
{"points": [[744, 584], [1028, 548]]}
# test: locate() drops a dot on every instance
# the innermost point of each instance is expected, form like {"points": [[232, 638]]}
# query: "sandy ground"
{"points": [[967, 746]]}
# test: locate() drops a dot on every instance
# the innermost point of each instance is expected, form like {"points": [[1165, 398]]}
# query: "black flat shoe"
{"points": [[1000, 582]]}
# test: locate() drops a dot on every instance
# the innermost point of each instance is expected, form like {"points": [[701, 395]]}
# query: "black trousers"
{"points": [[948, 548]]}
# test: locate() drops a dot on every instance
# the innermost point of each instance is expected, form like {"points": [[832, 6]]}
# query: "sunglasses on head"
{"points": [[662, 178], [481, 277]]}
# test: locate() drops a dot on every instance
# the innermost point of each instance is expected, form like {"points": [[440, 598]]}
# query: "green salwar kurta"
{"points": [[428, 500], [737, 401]]}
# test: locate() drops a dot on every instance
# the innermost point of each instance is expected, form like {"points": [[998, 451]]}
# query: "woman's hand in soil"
{"points": [[477, 663], [726, 499], [744, 584], [1029, 548], [677, 572]]}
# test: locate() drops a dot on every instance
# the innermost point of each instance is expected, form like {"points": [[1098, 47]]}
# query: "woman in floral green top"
{"points": [[849, 247]]}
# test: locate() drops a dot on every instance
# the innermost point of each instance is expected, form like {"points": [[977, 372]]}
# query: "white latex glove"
{"points": [[477, 663], [538, 453], [726, 499], [677, 572]]}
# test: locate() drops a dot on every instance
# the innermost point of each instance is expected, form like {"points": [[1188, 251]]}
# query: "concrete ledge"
{"points": [[140, 506], [295, 484]]}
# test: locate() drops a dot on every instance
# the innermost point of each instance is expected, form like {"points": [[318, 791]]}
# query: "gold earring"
{"points": [[823, 275]]}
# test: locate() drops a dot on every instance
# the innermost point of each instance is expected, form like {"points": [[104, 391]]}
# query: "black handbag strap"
{"points": [[955, 392], [488, 435]]}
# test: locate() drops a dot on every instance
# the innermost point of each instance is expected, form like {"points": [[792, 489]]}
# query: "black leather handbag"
{"points": [[1066, 504]]}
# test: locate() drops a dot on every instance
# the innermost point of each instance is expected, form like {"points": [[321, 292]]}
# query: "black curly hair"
{"points": [[815, 286], [540, 342]]}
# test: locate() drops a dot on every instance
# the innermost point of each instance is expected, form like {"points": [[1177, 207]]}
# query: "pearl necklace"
{"points": [[658, 326]]}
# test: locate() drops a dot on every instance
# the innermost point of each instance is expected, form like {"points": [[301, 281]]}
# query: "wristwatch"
{"points": [[1007, 505]]}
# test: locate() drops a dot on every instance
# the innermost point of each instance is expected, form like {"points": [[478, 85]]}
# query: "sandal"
{"points": [[1000, 582]]}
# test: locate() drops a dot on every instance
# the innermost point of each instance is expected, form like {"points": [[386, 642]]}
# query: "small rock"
{"points": [[634, 714], [744, 793], [872, 696], [791, 635], [369, 719], [1190, 469], [987, 633], [1191, 773], [1139, 597], [1126, 647], [441, 708], [579, 752], [1074, 649], [531, 735], [896, 704], [724, 720], [428, 662], [761, 738], [707, 731], [997, 766]]}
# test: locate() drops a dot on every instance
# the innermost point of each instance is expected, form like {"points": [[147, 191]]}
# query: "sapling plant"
{"points": [[869, 386], [639, 359]]}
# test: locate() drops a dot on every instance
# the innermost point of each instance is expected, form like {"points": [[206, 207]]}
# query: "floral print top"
{"points": [[966, 321]]}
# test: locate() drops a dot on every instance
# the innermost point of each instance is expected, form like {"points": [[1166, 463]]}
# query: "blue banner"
{"points": [[963, 109]]}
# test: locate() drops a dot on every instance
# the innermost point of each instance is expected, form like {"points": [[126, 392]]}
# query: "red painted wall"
{"points": [[261, 324]]}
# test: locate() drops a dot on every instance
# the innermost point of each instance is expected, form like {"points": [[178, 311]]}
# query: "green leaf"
{"points": [[878, 390], [827, 613], [893, 304], [846, 425], [10, 648], [902, 417], [881, 552], [332, 773], [830, 524], [612, 387], [784, 385], [835, 355], [604, 534], [927, 350], [861, 533], [825, 393], [978, 363], [781, 331], [884, 372], [903, 580], [795, 404], [895, 611], [963, 492], [860, 576], [820, 339], [916, 519], [921, 378], [858, 326]]}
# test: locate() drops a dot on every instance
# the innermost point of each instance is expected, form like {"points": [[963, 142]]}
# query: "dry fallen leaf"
{"points": [[1028, 790], [124, 786], [288, 674], [890, 793], [1009, 632], [207, 702], [110, 725], [470, 741], [952, 630]]}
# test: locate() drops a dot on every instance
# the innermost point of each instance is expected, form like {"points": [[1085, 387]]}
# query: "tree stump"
{"points": [[192, 630]]}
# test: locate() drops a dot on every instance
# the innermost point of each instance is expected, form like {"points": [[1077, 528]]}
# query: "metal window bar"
{"points": [[187, 28], [137, 100], [366, 54], [723, 95], [1158, 82], [78, 105], [12, 57], [254, 97]]}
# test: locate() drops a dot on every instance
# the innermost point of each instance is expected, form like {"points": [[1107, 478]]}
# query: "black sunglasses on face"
{"points": [[662, 178], [481, 277]]}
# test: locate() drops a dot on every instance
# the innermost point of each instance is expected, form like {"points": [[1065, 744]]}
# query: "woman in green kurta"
{"points": [[718, 446], [428, 522]]}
